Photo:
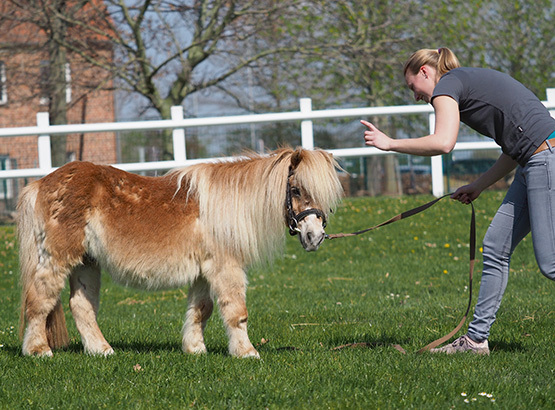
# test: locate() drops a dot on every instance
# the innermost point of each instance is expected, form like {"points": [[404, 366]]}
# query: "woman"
{"points": [[499, 107]]}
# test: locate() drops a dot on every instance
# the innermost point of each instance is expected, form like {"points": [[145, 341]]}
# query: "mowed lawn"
{"points": [[337, 328]]}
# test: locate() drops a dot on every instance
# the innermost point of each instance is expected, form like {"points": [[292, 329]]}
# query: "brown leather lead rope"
{"points": [[472, 258]]}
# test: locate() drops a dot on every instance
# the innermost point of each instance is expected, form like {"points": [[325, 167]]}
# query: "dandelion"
{"points": [[446, 245], [445, 271], [415, 238]]}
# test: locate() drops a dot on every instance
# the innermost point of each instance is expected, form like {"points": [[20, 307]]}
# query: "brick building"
{"points": [[24, 64]]}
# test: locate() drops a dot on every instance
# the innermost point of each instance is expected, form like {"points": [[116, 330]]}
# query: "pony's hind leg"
{"points": [[42, 309], [85, 291], [230, 287], [199, 310]]}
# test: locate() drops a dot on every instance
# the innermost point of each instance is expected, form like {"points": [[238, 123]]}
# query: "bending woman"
{"points": [[497, 106]]}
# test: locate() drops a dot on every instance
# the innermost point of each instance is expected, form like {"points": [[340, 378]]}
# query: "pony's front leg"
{"points": [[230, 286], [199, 310], [85, 291]]}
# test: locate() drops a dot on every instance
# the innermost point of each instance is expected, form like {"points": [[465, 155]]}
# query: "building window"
{"points": [[45, 86], [3, 85]]}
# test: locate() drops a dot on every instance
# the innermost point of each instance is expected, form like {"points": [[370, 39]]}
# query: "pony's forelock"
{"points": [[317, 174]]}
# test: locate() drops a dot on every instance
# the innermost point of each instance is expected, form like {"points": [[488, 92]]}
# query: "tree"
{"points": [[347, 53], [519, 40], [361, 45], [167, 50]]}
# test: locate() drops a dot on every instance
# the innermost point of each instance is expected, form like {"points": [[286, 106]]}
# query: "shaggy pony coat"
{"points": [[201, 225]]}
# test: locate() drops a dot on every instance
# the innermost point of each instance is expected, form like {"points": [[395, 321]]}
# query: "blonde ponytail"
{"points": [[442, 59]]}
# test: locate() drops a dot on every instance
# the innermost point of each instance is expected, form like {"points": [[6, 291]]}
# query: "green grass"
{"points": [[403, 284]]}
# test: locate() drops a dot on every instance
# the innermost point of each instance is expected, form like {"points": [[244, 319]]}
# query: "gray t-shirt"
{"points": [[498, 106]]}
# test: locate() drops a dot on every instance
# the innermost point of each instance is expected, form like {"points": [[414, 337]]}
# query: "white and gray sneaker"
{"points": [[464, 344]]}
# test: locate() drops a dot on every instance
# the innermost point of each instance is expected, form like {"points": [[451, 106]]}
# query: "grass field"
{"points": [[404, 284]]}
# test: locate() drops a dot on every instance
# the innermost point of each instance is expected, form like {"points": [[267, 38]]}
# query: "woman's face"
{"points": [[422, 83]]}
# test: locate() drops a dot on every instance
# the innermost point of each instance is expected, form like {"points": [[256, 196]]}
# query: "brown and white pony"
{"points": [[203, 224]]}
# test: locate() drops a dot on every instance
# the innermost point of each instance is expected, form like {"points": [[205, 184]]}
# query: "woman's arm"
{"points": [[442, 141], [470, 192]]}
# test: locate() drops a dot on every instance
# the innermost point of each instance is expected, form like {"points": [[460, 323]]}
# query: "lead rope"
{"points": [[472, 258]]}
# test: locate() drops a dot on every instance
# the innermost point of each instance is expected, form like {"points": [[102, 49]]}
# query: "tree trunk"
{"points": [[57, 85]]}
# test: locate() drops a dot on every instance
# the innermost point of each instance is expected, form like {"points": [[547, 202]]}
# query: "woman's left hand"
{"points": [[467, 193]]}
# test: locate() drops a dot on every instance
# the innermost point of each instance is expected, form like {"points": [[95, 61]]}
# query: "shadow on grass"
{"points": [[506, 347], [334, 345], [13, 350]]}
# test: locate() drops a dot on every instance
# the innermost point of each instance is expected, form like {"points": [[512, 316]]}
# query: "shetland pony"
{"points": [[203, 224]]}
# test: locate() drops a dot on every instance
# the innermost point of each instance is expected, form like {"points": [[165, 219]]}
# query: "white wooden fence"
{"points": [[177, 123]]}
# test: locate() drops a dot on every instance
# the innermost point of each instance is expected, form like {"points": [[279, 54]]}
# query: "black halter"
{"points": [[291, 217]]}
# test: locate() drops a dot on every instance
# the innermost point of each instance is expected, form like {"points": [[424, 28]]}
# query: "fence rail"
{"points": [[43, 130]]}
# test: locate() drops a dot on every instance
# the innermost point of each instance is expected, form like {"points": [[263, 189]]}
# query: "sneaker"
{"points": [[464, 344]]}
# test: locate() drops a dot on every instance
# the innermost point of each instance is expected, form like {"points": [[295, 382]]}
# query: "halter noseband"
{"points": [[291, 217]]}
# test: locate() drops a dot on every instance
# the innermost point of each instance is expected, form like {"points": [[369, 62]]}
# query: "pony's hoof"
{"points": [[198, 349], [108, 351], [47, 353], [38, 352], [253, 354]]}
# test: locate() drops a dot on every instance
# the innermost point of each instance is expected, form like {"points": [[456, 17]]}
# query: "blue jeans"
{"points": [[528, 206]]}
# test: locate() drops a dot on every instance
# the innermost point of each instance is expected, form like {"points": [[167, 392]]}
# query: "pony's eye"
{"points": [[295, 191]]}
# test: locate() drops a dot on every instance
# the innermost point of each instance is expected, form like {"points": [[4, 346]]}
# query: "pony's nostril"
{"points": [[309, 236]]}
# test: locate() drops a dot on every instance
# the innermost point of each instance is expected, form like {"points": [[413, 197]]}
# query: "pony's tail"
{"points": [[56, 329], [29, 226]]}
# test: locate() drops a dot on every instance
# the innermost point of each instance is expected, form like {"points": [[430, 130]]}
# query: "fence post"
{"points": [[307, 135], [438, 188], [178, 136], [45, 157]]}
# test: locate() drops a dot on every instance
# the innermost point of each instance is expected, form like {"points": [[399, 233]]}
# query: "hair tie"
{"points": [[439, 50]]}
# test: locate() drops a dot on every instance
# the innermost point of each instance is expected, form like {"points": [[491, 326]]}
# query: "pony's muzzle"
{"points": [[311, 232]]}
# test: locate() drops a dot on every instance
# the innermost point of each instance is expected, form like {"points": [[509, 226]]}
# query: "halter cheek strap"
{"points": [[293, 218]]}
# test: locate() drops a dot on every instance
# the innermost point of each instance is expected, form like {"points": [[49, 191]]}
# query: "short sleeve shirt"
{"points": [[498, 106]]}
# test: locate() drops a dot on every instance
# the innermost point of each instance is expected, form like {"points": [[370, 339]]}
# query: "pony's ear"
{"points": [[296, 158]]}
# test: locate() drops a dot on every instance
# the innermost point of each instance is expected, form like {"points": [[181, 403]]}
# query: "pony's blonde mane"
{"points": [[234, 196]]}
